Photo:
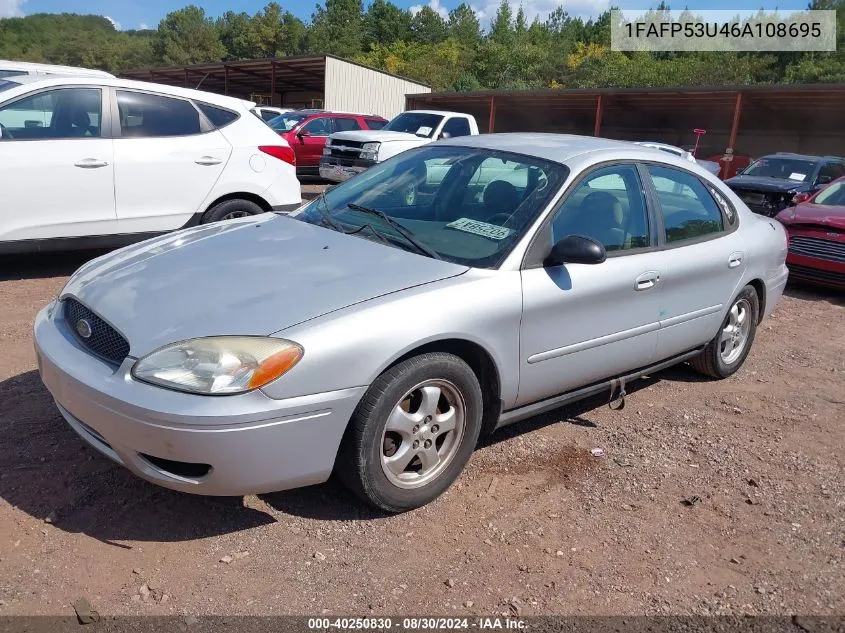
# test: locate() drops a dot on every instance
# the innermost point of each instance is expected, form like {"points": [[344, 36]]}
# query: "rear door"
{"points": [[57, 165], [703, 257], [167, 159]]}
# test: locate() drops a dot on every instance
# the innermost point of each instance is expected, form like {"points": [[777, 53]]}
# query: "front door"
{"points": [[310, 141], [57, 169], [584, 323]]}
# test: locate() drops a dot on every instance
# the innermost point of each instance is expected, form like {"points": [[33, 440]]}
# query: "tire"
{"points": [[721, 359], [229, 209], [368, 444]]}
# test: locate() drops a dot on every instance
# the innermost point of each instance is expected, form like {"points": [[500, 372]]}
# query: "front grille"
{"points": [[104, 341], [818, 248], [344, 143], [339, 153], [817, 275], [345, 162]]}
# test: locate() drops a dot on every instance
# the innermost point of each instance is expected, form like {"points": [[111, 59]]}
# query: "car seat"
{"points": [[601, 217], [500, 196]]}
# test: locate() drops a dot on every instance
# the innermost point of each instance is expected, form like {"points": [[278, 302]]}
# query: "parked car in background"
{"points": [[398, 330], [307, 131], [99, 161], [816, 230], [268, 113], [710, 166], [771, 183], [349, 153], [19, 69]]}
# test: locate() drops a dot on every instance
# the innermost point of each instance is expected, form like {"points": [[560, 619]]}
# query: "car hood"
{"points": [[756, 183], [252, 277], [378, 136], [819, 214]]}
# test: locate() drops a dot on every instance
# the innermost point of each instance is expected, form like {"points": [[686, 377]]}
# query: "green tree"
{"points": [[233, 29], [501, 28], [463, 25], [427, 26], [337, 28], [384, 23], [187, 36]]}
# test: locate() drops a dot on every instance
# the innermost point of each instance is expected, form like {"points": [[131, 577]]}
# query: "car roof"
{"points": [[48, 81], [7, 64], [802, 156], [441, 112], [554, 147]]}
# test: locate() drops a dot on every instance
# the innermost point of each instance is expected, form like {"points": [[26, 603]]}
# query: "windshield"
{"points": [[6, 85], [795, 169], [287, 121], [465, 205], [418, 123], [833, 195]]}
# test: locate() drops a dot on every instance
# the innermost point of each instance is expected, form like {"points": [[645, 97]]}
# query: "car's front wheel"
{"points": [[412, 433], [728, 350]]}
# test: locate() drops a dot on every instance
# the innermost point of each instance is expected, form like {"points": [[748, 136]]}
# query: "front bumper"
{"points": [[342, 169], [210, 445]]}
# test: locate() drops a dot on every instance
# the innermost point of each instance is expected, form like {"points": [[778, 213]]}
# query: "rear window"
{"points": [[218, 116]]}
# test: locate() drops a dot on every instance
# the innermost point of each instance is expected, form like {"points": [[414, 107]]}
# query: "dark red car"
{"points": [[816, 230], [307, 131]]}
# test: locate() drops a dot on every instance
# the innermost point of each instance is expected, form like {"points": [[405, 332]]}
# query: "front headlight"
{"points": [[220, 365], [327, 151], [370, 147]]}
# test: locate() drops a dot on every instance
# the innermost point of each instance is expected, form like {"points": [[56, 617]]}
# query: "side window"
{"points": [[688, 207], [455, 127], [375, 124], [145, 115], [830, 172], [318, 127], [218, 116], [55, 114], [342, 124], [609, 206]]}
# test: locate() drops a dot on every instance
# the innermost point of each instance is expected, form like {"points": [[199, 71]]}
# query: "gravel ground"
{"points": [[536, 524]]}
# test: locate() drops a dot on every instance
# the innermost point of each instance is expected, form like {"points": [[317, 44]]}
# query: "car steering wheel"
{"points": [[4, 132]]}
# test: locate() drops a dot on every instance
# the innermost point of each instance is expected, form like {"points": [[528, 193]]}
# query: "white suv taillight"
{"points": [[281, 152]]}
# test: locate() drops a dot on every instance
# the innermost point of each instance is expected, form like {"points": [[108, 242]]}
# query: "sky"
{"points": [[135, 14]]}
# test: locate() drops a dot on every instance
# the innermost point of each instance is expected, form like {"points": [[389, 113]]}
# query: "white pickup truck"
{"points": [[349, 153]]}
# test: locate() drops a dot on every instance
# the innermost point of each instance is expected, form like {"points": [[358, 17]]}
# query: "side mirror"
{"points": [[302, 133], [798, 198], [576, 249]]}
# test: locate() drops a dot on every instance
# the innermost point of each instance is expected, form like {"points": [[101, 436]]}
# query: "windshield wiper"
{"points": [[325, 215], [409, 237]]}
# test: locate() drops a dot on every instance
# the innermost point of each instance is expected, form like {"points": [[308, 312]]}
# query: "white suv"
{"points": [[98, 161]]}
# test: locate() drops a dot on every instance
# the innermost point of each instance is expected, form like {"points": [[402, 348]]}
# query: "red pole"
{"points": [[735, 124], [491, 123], [599, 113]]}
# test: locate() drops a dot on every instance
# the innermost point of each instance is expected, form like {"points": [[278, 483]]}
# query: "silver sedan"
{"points": [[383, 328]]}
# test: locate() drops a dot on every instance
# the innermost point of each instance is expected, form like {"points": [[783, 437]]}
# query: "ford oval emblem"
{"points": [[83, 328]]}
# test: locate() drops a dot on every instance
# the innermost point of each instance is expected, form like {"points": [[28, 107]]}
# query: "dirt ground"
{"points": [[536, 524]]}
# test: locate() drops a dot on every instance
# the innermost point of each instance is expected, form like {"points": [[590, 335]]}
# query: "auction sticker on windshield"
{"points": [[480, 228], [797, 176], [424, 131]]}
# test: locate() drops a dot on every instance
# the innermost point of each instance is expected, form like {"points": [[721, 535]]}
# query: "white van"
{"points": [[16, 69]]}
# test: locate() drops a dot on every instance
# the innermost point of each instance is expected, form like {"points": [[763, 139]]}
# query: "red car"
{"points": [[306, 131], [816, 230]]}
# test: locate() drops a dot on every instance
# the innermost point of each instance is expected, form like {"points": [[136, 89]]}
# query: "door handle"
{"points": [[647, 280], [91, 163], [734, 260], [208, 161]]}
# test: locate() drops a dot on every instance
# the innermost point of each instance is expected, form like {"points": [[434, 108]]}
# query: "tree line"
{"points": [[451, 53]]}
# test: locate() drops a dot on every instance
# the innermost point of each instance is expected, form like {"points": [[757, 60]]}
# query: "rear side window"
{"points": [[688, 208], [345, 125], [218, 116], [268, 115], [145, 115], [375, 124]]}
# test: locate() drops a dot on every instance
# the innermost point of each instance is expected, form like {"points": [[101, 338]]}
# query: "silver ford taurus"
{"points": [[382, 329]]}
